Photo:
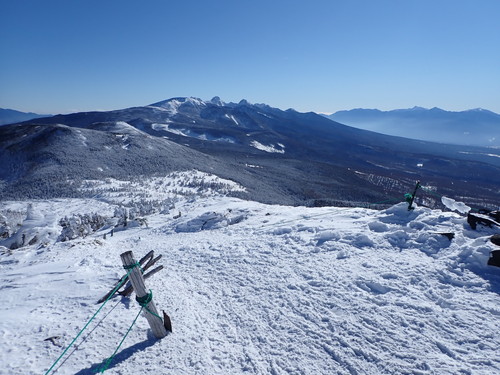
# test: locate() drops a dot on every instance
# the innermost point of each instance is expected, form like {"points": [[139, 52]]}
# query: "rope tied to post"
{"points": [[132, 266], [145, 300]]}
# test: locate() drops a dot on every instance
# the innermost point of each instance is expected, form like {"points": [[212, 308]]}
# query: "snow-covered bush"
{"points": [[5, 230], [80, 225], [122, 214], [145, 207]]}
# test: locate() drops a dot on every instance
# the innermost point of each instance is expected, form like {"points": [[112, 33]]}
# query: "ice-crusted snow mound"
{"points": [[211, 220], [257, 289], [454, 205]]}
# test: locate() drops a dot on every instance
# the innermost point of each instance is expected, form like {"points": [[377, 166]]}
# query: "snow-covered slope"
{"points": [[252, 288]]}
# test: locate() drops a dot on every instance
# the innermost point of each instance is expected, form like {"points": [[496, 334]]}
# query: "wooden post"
{"points": [[137, 281]]}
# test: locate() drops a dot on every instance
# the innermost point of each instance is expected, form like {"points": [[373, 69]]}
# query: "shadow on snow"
{"points": [[119, 358]]}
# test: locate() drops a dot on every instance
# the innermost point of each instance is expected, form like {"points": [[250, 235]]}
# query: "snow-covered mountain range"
{"points": [[278, 156], [11, 116], [250, 287], [476, 127]]}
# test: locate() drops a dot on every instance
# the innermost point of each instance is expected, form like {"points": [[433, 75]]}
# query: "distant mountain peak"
{"points": [[172, 105], [478, 127], [217, 101], [10, 116], [480, 110], [412, 109], [178, 101], [416, 109]]}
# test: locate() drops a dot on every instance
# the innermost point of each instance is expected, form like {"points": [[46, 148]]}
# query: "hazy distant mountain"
{"points": [[279, 156], [10, 116], [477, 127]]}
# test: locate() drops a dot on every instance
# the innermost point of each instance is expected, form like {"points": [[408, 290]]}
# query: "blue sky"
{"points": [[317, 55]]}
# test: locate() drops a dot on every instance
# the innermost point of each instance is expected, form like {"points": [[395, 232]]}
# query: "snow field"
{"points": [[257, 289]]}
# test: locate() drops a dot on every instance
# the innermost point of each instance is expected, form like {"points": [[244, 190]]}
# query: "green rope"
{"points": [[145, 300], [88, 335], [110, 359], [132, 266], [90, 320]]}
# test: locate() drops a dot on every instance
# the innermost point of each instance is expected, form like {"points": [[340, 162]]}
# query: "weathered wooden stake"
{"points": [[128, 290], [137, 281], [148, 259]]}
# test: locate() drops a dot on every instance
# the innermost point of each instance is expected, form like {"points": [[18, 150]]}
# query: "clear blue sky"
{"points": [[317, 55]]}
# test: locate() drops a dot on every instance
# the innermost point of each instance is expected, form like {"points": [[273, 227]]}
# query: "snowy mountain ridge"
{"points": [[11, 116], [250, 288], [479, 127], [303, 158]]}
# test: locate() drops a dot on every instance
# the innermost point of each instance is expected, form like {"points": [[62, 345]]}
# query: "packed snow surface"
{"points": [[254, 289]]}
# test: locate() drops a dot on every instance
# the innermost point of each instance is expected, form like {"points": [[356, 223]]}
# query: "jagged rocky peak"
{"points": [[195, 102], [217, 101], [177, 102], [174, 104], [244, 102]]}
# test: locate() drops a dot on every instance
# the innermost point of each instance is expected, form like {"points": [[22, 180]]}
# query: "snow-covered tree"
{"points": [[80, 225], [5, 230]]}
